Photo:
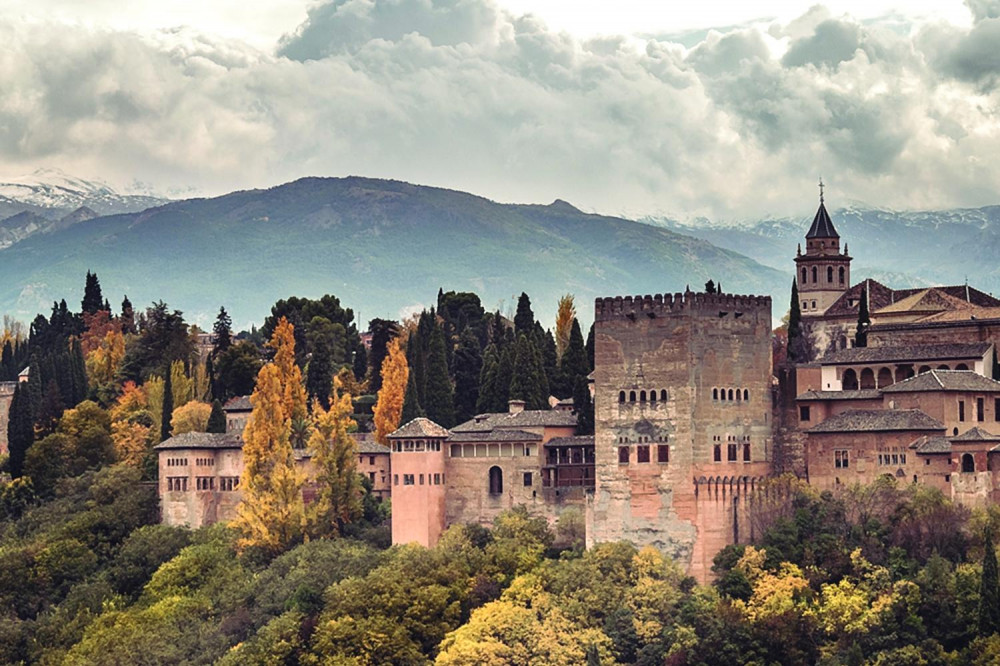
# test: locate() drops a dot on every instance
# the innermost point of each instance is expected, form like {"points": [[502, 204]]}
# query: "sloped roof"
{"points": [[945, 380], [962, 292], [877, 420], [976, 435], [930, 300], [202, 440], [879, 296], [367, 444], [240, 403], [502, 435], [966, 314], [822, 226], [576, 440], [939, 352], [863, 394], [420, 427], [529, 418], [931, 444]]}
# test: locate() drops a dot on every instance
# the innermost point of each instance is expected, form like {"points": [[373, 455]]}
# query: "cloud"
{"points": [[460, 93]]}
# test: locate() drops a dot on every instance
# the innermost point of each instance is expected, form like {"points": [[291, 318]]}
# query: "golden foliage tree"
{"points": [[389, 405], [192, 417], [565, 314], [270, 516], [106, 357], [338, 491], [293, 391], [131, 425]]}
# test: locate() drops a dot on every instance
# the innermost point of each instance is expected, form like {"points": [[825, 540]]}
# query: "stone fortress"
{"points": [[691, 419]]}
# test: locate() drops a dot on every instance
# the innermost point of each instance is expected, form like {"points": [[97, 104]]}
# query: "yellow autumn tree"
{"points": [[131, 425], [103, 361], [389, 404], [191, 417], [271, 514], [293, 391], [565, 314], [338, 487]]}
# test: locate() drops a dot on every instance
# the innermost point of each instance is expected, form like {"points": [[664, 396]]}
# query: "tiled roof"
{"points": [[945, 380], [367, 444], [879, 296], [822, 226], [533, 418], [502, 435], [877, 420], [940, 352], [931, 444], [420, 427], [927, 300], [202, 440], [976, 435], [863, 394], [960, 291], [969, 314], [576, 440], [240, 403]]}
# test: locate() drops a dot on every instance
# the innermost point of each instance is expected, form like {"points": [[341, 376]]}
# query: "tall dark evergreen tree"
{"points": [[528, 379], [20, 429], [545, 343], [467, 365], [217, 419], [488, 400], [989, 590], [93, 300], [223, 331], [795, 352], [168, 406], [439, 396], [498, 331], [590, 348], [411, 403], [504, 378], [326, 342], [710, 287], [383, 331], [574, 362], [7, 373], [360, 363], [864, 320], [51, 408], [524, 319], [583, 406], [128, 316]]}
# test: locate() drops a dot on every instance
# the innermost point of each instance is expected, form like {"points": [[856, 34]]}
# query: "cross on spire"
{"points": [[821, 189]]}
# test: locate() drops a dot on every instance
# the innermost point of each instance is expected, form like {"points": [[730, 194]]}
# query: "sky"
{"points": [[728, 111]]}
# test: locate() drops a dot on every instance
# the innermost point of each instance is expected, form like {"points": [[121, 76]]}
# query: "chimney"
{"points": [[515, 406]]}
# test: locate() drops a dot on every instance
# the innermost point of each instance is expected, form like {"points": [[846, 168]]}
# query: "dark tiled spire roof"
{"points": [[822, 226]]}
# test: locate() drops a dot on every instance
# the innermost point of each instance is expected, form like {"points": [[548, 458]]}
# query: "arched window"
{"points": [[631, 396], [923, 369], [815, 275], [884, 377], [496, 480], [867, 380], [968, 463], [621, 396], [961, 366], [841, 275], [730, 394], [804, 275], [715, 394], [663, 394], [850, 380], [739, 395], [746, 395], [652, 396], [829, 273], [642, 396]]}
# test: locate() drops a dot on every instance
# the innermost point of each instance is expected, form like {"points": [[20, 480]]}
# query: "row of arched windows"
{"points": [[841, 275], [642, 396], [642, 439], [851, 380], [731, 395]]}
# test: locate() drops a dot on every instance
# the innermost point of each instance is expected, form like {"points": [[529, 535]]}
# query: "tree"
{"points": [[583, 406], [360, 363], [524, 319], [190, 417], [565, 316], [164, 338], [989, 590], [223, 331], [796, 353], [300, 311], [382, 331], [574, 361], [864, 320], [488, 400], [394, 376], [167, 413], [236, 370], [467, 366], [411, 402], [439, 398], [710, 287], [338, 486], [217, 419], [20, 429], [92, 298], [270, 515], [326, 342], [289, 375], [127, 318], [528, 378]]}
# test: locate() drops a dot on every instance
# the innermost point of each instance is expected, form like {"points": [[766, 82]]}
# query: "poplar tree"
{"points": [[338, 486], [292, 391], [217, 419], [389, 405], [989, 590], [439, 396], [565, 316], [271, 515], [168, 405]]}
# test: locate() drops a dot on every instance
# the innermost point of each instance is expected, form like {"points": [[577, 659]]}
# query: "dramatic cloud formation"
{"points": [[462, 94]]}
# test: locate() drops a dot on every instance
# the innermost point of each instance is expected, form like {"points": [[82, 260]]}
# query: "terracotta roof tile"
{"points": [[931, 444], [202, 440], [240, 403], [501, 435], [863, 394], [576, 440], [976, 435], [877, 420], [527, 419], [945, 380], [420, 427], [939, 352]]}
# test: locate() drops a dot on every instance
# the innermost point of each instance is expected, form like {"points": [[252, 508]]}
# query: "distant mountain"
{"points": [[902, 249], [381, 246]]}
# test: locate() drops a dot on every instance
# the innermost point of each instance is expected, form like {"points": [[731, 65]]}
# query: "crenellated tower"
{"points": [[823, 273]]}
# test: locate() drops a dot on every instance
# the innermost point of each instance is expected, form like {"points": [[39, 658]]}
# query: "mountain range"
{"points": [[383, 247]]}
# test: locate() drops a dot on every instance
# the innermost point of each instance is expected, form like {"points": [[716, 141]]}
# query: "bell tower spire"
{"points": [[823, 272]]}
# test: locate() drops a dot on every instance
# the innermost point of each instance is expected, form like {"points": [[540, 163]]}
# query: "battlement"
{"points": [[629, 307]]}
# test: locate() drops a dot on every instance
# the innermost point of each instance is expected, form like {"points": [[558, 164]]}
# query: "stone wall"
{"points": [[6, 395], [693, 346]]}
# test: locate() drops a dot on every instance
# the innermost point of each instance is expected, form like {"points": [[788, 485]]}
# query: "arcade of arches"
{"points": [[875, 377]]}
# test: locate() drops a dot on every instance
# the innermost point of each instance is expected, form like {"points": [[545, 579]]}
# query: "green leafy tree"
{"points": [[584, 407], [236, 370], [338, 486], [989, 590], [222, 329], [20, 429], [326, 343]]}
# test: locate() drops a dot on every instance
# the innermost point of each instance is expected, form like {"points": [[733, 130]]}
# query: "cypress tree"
{"points": [[79, 372], [583, 406], [524, 320], [545, 342], [223, 331], [795, 352], [168, 406], [487, 399], [468, 363], [382, 330], [411, 405], [360, 364], [92, 298], [710, 287], [989, 590], [439, 396], [217, 419], [528, 375], [128, 316], [20, 429], [497, 329], [51, 408], [864, 320], [590, 349], [504, 378], [541, 378], [7, 372], [574, 361]]}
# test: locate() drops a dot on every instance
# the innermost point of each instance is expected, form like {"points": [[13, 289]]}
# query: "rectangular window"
{"points": [[527, 479], [841, 459], [996, 409], [803, 412], [204, 483], [407, 479], [746, 451], [371, 460], [623, 455], [437, 479], [456, 450], [717, 454], [229, 483], [371, 476], [980, 409], [395, 479], [961, 410], [421, 479], [642, 454], [731, 452], [663, 453]]}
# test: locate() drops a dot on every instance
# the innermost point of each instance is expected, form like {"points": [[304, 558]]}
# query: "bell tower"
{"points": [[823, 273]]}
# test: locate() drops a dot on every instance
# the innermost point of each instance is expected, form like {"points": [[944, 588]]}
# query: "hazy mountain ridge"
{"points": [[381, 246], [907, 248]]}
